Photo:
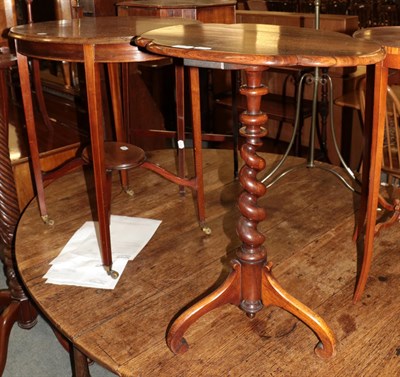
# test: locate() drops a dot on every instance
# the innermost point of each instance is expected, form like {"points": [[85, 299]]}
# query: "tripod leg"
{"points": [[227, 293], [273, 294]]}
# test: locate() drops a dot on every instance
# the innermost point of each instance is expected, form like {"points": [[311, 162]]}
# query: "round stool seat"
{"points": [[118, 156]]}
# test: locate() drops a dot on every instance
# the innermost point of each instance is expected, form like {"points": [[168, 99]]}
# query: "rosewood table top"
{"points": [[261, 45]]}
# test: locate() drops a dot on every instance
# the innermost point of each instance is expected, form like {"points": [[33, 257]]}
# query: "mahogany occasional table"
{"points": [[94, 41], [254, 48]]}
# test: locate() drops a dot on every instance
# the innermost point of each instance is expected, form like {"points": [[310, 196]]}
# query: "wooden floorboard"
{"points": [[309, 226]]}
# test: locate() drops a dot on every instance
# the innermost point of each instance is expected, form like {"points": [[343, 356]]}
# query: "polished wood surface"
{"points": [[91, 41], [251, 284], [265, 45], [309, 231], [94, 30], [387, 37]]}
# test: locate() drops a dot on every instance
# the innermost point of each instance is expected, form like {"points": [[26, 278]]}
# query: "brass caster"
{"points": [[129, 191], [46, 219], [206, 230], [113, 274]]}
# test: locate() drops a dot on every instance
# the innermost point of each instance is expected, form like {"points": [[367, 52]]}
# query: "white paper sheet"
{"points": [[79, 262]]}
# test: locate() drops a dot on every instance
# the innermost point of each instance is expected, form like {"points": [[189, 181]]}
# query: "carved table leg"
{"points": [[251, 285], [16, 306]]}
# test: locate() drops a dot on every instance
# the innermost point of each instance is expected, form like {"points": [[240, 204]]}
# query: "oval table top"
{"points": [[172, 4], [385, 35], [94, 30], [261, 45]]}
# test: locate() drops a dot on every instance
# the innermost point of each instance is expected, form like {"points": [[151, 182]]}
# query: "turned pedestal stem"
{"points": [[251, 284]]}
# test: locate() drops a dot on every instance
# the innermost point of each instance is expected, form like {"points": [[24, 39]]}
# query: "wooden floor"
{"points": [[310, 219]]}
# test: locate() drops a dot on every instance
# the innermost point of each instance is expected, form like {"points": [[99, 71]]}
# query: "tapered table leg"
{"points": [[251, 285]]}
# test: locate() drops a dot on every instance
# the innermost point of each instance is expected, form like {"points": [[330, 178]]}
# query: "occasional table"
{"points": [[387, 37], [94, 41], [254, 48]]}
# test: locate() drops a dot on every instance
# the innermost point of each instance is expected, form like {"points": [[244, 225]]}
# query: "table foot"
{"points": [[129, 191], [274, 294], [206, 229], [47, 220], [227, 293], [271, 294], [114, 274]]}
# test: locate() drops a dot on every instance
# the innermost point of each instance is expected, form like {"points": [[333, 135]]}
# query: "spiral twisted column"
{"points": [[250, 285], [251, 254], [16, 306]]}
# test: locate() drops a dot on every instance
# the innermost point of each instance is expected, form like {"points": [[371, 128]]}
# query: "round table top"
{"points": [[261, 45], [93, 30], [170, 4]]}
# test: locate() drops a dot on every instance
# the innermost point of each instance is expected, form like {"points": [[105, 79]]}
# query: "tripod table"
{"points": [[254, 48]]}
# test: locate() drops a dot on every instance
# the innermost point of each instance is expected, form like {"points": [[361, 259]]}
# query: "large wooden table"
{"points": [[254, 48], [95, 41], [124, 329]]}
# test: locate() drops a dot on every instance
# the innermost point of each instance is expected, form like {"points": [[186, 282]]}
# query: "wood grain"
{"points": [[308, 229]]}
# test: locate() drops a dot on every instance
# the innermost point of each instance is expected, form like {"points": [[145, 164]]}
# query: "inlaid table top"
{"points": [[261, 45]]}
